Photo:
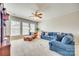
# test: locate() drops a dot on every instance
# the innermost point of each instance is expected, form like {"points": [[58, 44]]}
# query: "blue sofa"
{"points": [[50, 36], [63, 44], [43, 36]]}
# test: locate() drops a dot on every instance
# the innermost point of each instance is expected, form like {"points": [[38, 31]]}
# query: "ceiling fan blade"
{"points": [[40, 17], [40, 14], [37, 14]]}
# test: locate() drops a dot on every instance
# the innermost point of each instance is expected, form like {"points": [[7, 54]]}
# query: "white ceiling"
{"points": [[51, 10], [57, 9], [21, 9]]}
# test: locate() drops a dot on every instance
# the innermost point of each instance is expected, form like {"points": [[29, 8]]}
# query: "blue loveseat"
{"points": [[50, 36], [63, 44]]}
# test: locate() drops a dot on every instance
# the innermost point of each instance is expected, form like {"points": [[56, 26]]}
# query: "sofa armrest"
{"points": [[68, 47]]}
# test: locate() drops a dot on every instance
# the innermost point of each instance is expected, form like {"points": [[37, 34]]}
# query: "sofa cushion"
{"points": [[58, 37], [57, 44], [52, 33], [43, 33], [46, 33], [53, 38], [67, 39]]}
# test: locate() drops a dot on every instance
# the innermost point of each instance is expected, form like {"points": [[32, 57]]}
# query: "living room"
{"points": [[54, 19]]}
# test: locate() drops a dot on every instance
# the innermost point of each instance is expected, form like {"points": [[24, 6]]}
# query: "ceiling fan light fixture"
{"points": [[37, 14]]}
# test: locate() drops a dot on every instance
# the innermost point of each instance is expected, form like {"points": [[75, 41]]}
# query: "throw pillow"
{"points": [[67, 39]]}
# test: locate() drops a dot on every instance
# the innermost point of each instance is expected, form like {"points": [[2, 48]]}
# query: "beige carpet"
{"points": [[37, 47]]}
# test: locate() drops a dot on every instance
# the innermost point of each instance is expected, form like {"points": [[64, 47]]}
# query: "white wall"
{"points": [[65, 23], [60, 18]]}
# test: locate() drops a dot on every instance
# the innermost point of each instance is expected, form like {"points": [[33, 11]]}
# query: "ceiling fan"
{"points": [[37, 14]]}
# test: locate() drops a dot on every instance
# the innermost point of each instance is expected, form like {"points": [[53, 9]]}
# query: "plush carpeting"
{"points": [[37, 47]]}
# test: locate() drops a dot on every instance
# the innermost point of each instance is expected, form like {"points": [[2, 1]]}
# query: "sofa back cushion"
{"points": [[58, 37], [67, 39], [52, 33]]}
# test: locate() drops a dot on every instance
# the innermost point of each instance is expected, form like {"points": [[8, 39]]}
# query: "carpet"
{"points": [[37, 47]]}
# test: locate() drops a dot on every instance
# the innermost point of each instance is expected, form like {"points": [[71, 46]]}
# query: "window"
{"points": [[15, 28], [18, 28], [25, 28], [32, 27]]}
